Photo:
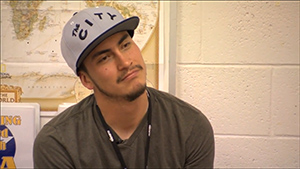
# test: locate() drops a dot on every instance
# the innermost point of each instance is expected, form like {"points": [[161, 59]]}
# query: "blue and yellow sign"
{"points": [[19, 124], [7, 148]]}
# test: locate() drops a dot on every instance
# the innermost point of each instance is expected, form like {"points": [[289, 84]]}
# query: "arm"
{"points": [[200, 145], [49, 150]]}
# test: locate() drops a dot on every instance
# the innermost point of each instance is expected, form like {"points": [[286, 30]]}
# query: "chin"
{"points": [[136, 93]]}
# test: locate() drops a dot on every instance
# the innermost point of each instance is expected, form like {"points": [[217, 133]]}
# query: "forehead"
{"points": [[111, 40], [107, 44]]}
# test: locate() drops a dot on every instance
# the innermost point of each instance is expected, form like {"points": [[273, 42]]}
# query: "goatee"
{"points": [[134, 95]]}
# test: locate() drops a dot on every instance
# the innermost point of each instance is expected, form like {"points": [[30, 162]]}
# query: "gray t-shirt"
{"points": [[181, 137]]}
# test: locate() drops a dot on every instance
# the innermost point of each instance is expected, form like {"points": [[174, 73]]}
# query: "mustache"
{"points": [[121, 77]]}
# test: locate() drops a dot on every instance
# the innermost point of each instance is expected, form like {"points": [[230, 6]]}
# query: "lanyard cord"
{"points": [[113, 141]]}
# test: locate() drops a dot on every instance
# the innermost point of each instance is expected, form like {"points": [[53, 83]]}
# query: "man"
{"points": [[124, 124]]}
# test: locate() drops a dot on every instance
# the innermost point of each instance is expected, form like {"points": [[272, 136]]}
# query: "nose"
{"points": [[123, 61]]}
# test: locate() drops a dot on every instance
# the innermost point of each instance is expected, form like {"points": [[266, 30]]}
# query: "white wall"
{"points": [[238, 62]]}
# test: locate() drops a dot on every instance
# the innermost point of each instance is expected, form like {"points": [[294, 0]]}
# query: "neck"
{"points": [[123, 116]]}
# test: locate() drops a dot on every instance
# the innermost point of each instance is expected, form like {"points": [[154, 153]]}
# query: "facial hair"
{"points": [[139, 90], [129, 97], [120, 78]]}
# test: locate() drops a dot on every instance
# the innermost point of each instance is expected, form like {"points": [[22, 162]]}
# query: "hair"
{"points": [[81, 68]]}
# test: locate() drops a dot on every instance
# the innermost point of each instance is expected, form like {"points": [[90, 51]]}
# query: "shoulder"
{"points": [[175, 108], [72, 112], [179, 117], [67, 121], [66, 124], [169, 102]]}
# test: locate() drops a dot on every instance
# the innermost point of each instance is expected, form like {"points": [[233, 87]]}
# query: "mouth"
{"points": [[130, 73]]}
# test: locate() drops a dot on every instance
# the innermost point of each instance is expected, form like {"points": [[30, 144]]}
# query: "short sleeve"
{"points": [[200, 145], [49, 150]]}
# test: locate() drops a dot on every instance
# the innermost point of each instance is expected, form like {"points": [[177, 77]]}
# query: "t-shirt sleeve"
{"points": [[200, 145], [49, 150]]}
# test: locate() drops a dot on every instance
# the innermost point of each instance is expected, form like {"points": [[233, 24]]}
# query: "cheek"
{"points": [[135, 51], [137, 56], [106, 72]]}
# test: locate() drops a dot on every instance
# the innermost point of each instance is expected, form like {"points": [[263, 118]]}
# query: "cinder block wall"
{"points": [[238, 62]]}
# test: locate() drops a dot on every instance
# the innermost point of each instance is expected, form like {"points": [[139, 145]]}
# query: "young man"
{"points": [[124, 124]]}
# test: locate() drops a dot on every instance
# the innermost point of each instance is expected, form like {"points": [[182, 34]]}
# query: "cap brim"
{"points": [[129, 24]]}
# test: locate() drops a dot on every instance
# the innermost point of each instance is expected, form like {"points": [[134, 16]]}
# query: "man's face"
{"points": [[115, 68]]}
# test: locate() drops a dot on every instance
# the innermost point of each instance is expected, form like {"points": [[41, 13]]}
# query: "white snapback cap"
{"points": [[89, 27]]}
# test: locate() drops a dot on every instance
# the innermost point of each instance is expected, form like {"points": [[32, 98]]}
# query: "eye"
{"points": [[103, 58], [126, 45]]}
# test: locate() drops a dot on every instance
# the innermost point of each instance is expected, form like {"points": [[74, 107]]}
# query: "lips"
{"points": [[130, 74]]}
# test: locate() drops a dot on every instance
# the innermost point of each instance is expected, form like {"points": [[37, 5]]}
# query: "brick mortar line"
{"points": [[238, 65], [256, 136]]}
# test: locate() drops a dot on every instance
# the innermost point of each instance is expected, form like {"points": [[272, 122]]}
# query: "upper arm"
{"points": [[200, 145], [49, 150]]}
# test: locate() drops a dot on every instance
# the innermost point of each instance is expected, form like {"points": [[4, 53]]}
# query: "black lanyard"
{"points": [[114, 141]]}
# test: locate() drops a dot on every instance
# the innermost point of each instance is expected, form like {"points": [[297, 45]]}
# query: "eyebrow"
{"points": [[99, 53], [107, 50], [123, 38]]}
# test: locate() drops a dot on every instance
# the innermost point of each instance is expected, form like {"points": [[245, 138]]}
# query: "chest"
{"points": [[93, 148]]}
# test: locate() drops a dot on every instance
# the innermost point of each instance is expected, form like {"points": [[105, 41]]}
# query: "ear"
{"points": [[86, 80]]}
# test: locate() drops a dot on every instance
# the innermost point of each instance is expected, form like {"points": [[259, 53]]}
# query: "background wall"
{"points": [[238, 62]]}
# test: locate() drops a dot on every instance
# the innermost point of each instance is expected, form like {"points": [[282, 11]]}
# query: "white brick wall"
{"points": [[238, 62]]}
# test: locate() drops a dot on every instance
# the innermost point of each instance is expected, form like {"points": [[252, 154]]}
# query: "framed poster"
{"points": [[19, 125], [10, 94], [30, 48]]}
